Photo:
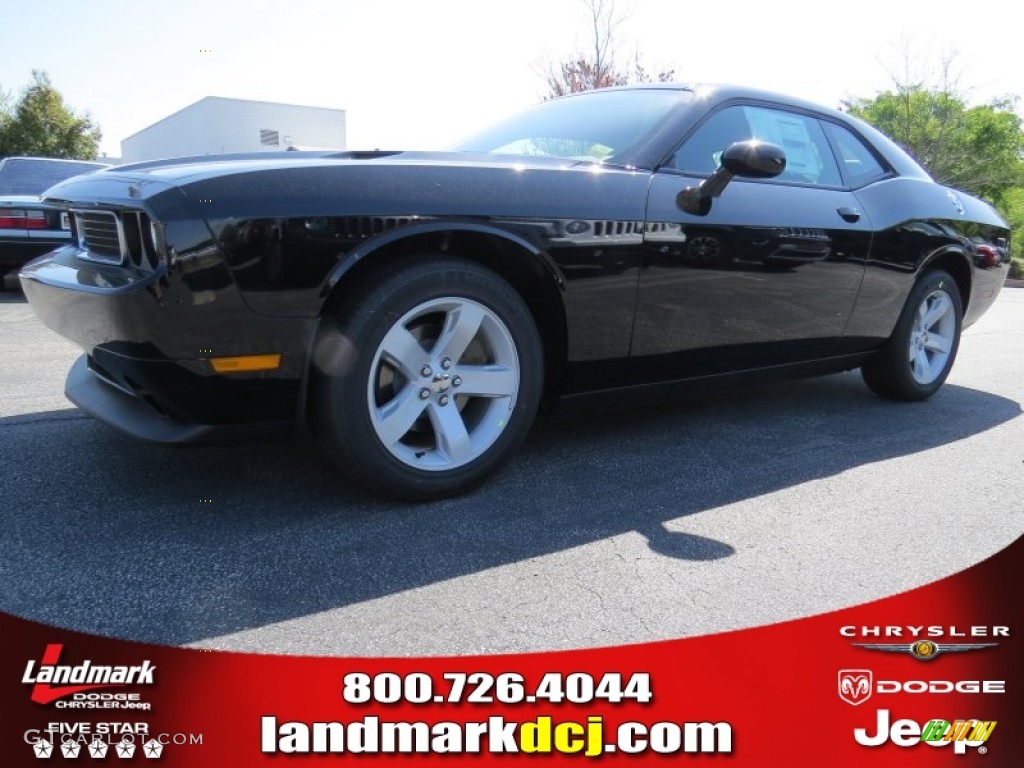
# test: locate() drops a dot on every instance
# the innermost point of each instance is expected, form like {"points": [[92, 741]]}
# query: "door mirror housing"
{"points": [[750, 159], [754, 159]]}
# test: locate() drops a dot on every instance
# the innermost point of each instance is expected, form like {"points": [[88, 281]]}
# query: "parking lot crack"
{"points": [[16, 421], [594, 592]]}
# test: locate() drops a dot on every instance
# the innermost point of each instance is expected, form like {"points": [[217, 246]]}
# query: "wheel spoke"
{"points": [[467, 405], [396, 417], [487, 381], [937, 309], [460, 328], [938, 343], [922, 312], [922, 368], [403, 350], [450, 430]]}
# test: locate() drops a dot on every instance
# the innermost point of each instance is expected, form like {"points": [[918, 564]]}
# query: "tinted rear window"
{"points": [[26, 176]]}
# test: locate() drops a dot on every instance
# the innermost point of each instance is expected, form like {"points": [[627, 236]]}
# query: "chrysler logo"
{"points": [[924, 650]]}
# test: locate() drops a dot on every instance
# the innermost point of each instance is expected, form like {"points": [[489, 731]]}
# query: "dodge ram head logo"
{"points": [[855, 685]]}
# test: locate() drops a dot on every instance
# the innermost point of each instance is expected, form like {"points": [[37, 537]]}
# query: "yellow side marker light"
{"points": [[245, 363]]}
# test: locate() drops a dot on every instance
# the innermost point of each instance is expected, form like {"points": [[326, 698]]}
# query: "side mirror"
{"points": [[750, 159]]}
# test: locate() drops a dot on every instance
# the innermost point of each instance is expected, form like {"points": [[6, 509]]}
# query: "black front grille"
{"points": [[118, 237], [99, 233], [138, 239]]}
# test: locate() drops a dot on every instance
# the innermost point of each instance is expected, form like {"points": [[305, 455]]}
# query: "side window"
{"points": [[809, 159], [702, 150], [859, 164]]}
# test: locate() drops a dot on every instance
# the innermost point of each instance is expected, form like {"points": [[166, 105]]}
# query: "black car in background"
{"points": [[417, 309], [28, 226]]}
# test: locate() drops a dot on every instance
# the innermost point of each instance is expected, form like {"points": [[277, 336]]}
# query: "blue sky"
{"points": [[420, 75]]}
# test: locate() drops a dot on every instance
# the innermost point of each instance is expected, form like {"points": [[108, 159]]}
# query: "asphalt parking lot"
{"points": [[719, 513]]}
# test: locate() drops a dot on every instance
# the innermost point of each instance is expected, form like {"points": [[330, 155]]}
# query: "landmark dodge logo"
{"points": [[855, 685], [82, 677]]}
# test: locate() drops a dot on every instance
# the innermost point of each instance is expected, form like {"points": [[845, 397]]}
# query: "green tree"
{"points": [[41, 124], [1013, 209], [5, 115], [978, 149]]}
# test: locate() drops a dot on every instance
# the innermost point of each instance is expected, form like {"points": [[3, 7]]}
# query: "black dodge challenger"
{"points": [[417, 309]]}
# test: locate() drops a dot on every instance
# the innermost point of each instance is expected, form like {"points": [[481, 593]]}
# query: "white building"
{"points": [[215, 125]]}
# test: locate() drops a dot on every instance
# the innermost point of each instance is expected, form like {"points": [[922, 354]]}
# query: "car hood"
{"points": [[189, 169], [366, 183]]}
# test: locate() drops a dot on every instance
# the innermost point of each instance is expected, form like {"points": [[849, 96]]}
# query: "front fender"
{"points": [[431, 236]]}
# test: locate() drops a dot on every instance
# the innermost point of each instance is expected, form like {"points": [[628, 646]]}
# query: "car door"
{"points": [[769, 276]]}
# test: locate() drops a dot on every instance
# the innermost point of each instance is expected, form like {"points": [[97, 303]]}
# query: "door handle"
{"points": [[849, 213]]}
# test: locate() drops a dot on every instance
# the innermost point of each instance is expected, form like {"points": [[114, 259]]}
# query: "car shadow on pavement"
{"points": [[108, 535]]}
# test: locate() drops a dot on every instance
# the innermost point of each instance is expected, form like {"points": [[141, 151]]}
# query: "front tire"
{"points": [[919, 355], [429, 379]]}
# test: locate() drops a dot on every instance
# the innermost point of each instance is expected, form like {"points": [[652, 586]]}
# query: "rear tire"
{"points": [[426, 379], [919, 355]]}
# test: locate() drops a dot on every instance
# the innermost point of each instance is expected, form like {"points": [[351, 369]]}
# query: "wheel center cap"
{"points": [[441, 383]]}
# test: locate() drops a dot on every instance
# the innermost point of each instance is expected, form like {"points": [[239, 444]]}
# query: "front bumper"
{"points": [[137, 415], [149, 338]]}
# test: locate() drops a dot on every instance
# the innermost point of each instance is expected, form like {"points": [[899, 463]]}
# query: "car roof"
{"points": [[709, 96]]}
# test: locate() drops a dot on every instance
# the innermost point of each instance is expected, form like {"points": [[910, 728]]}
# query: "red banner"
{"points": [[930, 677]]}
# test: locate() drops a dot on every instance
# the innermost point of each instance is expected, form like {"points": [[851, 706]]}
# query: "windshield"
{"points": [[591, 126]]}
